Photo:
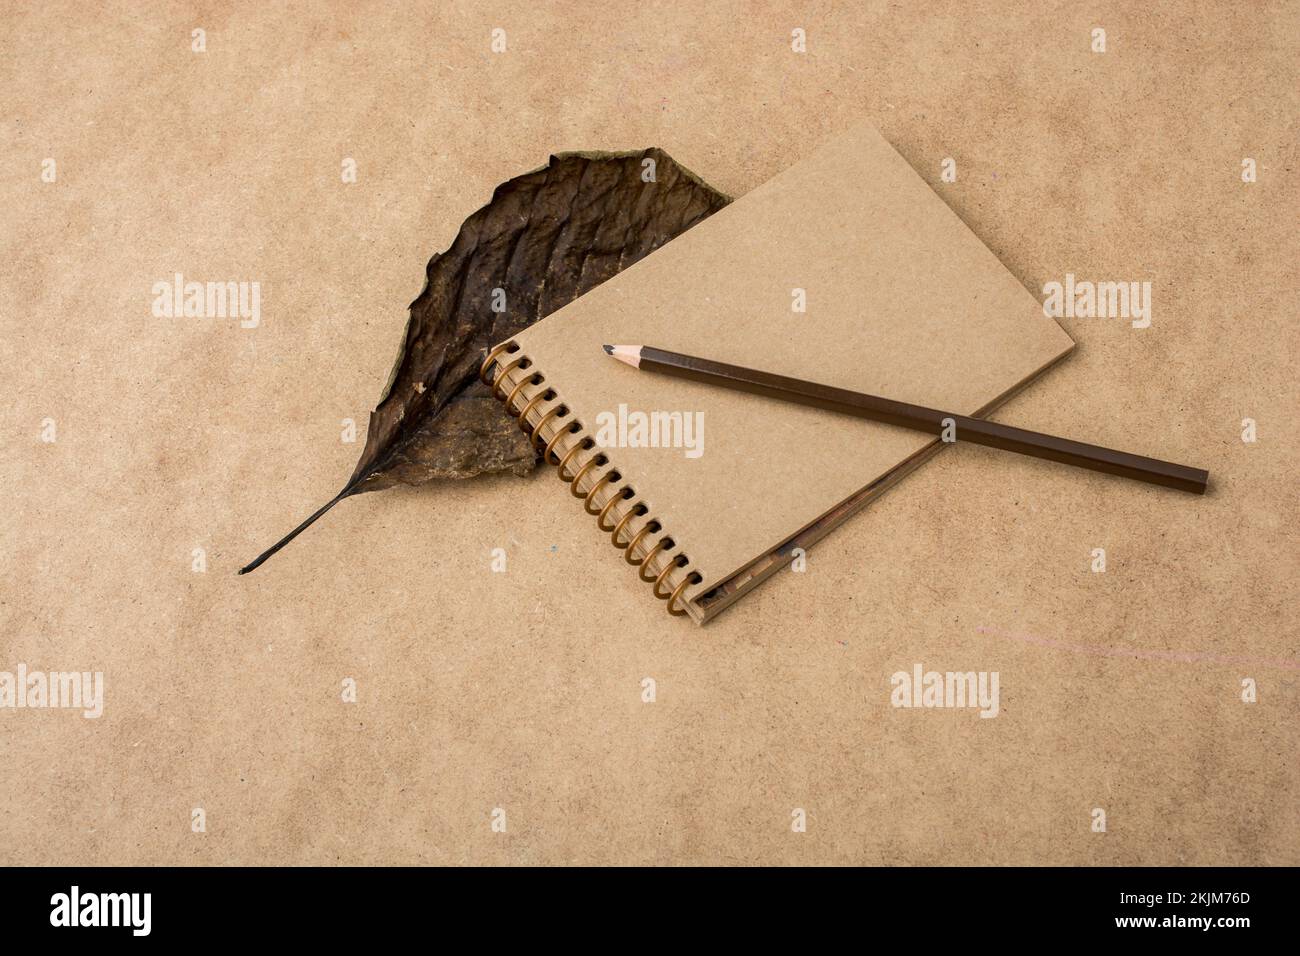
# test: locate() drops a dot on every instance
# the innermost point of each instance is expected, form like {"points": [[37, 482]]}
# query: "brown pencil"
{"points": [[929, 420]]}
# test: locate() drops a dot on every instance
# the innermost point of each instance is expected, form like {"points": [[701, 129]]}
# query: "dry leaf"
{"points": [[545, 238]]}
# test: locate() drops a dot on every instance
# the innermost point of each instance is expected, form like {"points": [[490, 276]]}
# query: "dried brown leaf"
{"points": [[546, 237]]}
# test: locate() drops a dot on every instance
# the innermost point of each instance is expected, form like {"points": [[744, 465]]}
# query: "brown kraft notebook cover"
{"points": [[845, 269]]}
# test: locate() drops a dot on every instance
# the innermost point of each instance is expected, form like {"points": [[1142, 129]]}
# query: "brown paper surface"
{"points": [[522, 691], [846, 270]]}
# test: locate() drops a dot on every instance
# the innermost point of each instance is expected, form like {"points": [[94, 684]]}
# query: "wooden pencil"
{"points": [[916, 417]]}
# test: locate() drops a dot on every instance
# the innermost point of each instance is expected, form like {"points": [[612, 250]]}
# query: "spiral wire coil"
{"points": [[621, 513]]}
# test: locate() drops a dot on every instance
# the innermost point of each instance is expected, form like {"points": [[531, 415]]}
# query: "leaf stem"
{"points": [[257, 562]]}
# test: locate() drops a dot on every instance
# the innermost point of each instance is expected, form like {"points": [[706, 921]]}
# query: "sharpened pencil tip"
{"points": [[609, 349]]}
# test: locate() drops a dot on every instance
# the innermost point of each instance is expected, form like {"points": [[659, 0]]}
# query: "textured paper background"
{"points": [[522, 690]]}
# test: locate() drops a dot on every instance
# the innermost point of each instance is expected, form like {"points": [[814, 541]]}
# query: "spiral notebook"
{"points": [[846, 269]]}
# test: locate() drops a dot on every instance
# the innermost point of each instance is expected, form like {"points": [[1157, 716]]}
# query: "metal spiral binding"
{"points": [[539, 410]]}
